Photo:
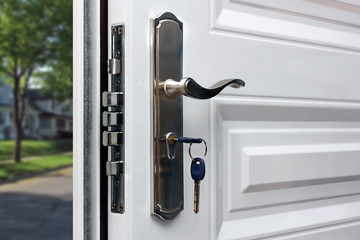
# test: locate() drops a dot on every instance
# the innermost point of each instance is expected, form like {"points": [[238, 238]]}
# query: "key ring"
{"points": [[204, 153]]}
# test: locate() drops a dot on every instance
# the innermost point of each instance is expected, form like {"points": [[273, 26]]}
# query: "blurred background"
{"points": [[36, 119]]}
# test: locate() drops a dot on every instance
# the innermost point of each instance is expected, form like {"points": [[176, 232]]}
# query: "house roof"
{"points": [[47, 113], [35, 94], [6, 104]]}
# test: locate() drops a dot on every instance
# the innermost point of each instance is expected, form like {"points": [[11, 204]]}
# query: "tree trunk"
{"points": [[17, 119], [19, 110], [17, 152]]}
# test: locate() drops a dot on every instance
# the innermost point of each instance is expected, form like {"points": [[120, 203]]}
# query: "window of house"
{"points": [[65, 108], [60, 123], [29, 122], [2, 118], [26, 122], [45, 122]]}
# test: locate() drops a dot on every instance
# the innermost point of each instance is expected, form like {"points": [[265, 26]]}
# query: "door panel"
{"points": [[283, 159], [325, 22], [284, 151], [340, 231]]}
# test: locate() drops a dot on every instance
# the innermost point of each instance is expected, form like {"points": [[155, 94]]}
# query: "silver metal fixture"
{"points": [[112, 99], [113, 119], [168, 87], [114, 168], [112, 138], [188, 87], [114, 66]]}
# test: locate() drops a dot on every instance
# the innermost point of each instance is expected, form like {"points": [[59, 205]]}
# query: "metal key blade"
{"points": [[197, 170], [196, 196]]}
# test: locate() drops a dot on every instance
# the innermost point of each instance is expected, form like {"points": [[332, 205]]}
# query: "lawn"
{"points": [[9, 170], [35, 147]]}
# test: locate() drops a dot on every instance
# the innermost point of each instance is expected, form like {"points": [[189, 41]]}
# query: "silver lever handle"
{"points": [[188, 87]]}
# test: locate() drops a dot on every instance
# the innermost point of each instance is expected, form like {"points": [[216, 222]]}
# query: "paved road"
{"points": [[37, 208]]}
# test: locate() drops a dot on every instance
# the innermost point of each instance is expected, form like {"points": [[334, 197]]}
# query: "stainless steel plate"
{"points": [[167, 174]]}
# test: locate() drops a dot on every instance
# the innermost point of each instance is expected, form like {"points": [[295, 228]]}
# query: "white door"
{"points": [[284, 152]]}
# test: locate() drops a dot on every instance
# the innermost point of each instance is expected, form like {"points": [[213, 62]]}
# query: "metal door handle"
{"points": [[189, 87]]}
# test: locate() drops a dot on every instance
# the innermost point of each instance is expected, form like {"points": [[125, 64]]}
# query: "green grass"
{"points": [[9, 170], [35, 147]]}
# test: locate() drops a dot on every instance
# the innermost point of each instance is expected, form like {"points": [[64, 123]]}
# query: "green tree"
{"points": [[35, 40]]}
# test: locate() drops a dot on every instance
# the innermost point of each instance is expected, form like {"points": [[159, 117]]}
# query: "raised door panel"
{"points": [[286, 149], [325, 22], [284, 165], [279, 50]]}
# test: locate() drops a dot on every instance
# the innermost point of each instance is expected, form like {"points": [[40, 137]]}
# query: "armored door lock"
{"points": [[113, 120], [168, 87]]}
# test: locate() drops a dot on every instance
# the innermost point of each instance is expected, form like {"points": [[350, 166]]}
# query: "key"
{"points": [[189, 140], [172, 140], [197, 170]]}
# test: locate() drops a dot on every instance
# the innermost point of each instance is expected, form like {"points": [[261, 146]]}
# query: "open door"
{"points": [[283, 157]]}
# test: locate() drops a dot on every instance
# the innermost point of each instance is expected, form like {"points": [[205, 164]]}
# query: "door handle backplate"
{"points": [[167, 174]]}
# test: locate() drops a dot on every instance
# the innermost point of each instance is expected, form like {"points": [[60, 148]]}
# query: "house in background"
{"points": [[6, 111], [43, 118]]}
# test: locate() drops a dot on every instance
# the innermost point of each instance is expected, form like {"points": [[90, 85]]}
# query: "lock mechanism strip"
{"points": [[113, 119], [167, 181]]}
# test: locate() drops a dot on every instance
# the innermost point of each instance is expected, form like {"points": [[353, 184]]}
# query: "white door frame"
{"points": [[86, 127]]}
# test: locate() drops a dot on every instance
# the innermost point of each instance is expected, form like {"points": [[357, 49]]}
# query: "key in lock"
{"points": [[172, 140]]}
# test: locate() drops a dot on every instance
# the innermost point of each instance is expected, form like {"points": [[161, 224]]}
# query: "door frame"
{"points": [[90, 78]]}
